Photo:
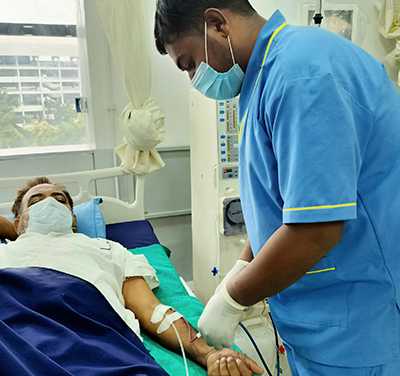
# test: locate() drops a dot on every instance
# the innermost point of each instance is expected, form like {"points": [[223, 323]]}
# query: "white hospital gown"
{"points": [[103, 263]]}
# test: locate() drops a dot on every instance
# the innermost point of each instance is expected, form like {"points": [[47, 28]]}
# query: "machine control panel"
{"points": [[228, 131], [229, 172]]}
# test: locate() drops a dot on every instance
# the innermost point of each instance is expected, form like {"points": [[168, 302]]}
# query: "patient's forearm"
{"points": [[7, 230], [140, 299], [196, 351]]}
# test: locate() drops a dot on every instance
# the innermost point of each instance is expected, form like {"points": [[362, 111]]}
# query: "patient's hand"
{"points": [[228, 362]]}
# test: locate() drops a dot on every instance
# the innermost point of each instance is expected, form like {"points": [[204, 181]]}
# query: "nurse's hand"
{"points": [[229, 362], [220, 319], [238, 267]]}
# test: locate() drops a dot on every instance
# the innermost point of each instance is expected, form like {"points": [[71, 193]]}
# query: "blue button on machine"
{"points": [[223, 137], [223, 145], [223, 152], [223, 160]]}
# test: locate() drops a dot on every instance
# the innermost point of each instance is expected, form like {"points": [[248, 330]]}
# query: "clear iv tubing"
{"points": [[182, 349]]}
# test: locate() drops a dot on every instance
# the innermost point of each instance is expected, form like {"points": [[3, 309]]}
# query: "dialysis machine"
{"points": [[218, 228]]}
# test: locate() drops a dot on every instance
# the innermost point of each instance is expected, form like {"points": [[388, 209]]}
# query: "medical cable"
{"points": [[258, 350], [198, 335], [276, 341]]}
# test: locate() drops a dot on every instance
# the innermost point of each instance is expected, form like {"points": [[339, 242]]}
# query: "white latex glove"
{"points": [[220, 319], [238, 267]]}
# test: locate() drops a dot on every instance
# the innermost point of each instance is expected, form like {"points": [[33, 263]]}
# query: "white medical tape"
{"points": [[168, 321], [159, 313]]}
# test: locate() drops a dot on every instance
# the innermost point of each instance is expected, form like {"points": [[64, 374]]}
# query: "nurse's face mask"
{"points": [[49, 215], [218, 86]]}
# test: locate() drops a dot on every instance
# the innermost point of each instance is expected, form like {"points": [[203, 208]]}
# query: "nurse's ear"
{"points": [[217, 22]]}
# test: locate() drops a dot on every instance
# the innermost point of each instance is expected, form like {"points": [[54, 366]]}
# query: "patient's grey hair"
{"points": [[33, 183]]}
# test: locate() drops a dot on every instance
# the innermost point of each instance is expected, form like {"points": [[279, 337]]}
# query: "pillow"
{"points": [[90, 219], [132, 234]]}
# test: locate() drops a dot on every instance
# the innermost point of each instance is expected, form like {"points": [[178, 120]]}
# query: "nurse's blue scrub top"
{"points": [[321, 142]]}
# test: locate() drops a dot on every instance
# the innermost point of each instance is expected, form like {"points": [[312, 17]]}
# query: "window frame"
{"points": [[85, 64]]}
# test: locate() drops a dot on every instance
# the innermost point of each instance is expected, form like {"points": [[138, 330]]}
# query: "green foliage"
{"points": [[11, 135], [61, 126]]}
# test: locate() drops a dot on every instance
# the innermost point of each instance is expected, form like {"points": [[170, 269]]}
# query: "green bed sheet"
{"points": [[171, 292]]}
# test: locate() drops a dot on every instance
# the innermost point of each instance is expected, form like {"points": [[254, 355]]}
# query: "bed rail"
{"points": [[114, 210]]}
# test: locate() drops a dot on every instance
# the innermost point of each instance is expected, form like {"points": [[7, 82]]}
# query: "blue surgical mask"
{"points": [[49, 215], [214, 85]]}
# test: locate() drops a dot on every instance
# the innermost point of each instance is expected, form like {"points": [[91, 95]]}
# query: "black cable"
{"points": [[276, 341], [259, 352], [318, 17]]}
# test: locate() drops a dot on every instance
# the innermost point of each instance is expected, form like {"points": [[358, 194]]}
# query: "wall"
{"points": [[167, 197], [168, 190], [167, 200], [171, 86]]}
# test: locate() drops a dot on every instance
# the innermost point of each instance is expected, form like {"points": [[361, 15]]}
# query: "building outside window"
{"points": [[40, 75]]}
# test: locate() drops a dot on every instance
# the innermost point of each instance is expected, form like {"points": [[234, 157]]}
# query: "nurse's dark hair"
{"points": [[175, 18], [33, 183]]}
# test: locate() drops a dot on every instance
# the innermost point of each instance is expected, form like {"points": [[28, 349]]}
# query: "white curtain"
{"points": [[389, 27], [142, 120]]}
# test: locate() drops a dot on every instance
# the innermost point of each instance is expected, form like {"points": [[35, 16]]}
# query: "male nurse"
{"points": [[319, 183]]}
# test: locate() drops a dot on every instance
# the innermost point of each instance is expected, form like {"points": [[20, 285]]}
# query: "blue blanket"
{"points": [[55, 324]]}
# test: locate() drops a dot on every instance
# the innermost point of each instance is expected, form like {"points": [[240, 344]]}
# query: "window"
{"points": [[40, 76], [27, 61], [31, 100], [7, 60], [30, 86], [343, 20], [10, 87], [8, 73]]}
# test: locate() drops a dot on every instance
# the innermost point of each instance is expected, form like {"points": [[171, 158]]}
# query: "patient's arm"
{"points": [[7, 230], [140, 299]]}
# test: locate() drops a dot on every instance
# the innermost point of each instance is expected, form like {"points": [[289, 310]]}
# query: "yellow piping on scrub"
{"points": [[321, 207], [259, 74], [322, 271]]}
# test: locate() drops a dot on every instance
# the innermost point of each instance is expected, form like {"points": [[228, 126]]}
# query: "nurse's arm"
{"points": [[285, 258], [7, 230]]}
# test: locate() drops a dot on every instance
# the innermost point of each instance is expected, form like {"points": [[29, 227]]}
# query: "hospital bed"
{"points": [[124, 222]]}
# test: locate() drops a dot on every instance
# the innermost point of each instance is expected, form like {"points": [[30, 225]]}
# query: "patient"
{"points": [[54, 335]]}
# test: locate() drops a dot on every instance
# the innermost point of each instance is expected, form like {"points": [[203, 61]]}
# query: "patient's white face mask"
{"points": [[49, 215]]}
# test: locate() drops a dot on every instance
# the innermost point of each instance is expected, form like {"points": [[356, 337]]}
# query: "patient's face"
{"points": [[35, 195]]}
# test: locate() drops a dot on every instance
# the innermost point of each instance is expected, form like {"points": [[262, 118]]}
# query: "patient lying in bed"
{"points": [[72, 305]]}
